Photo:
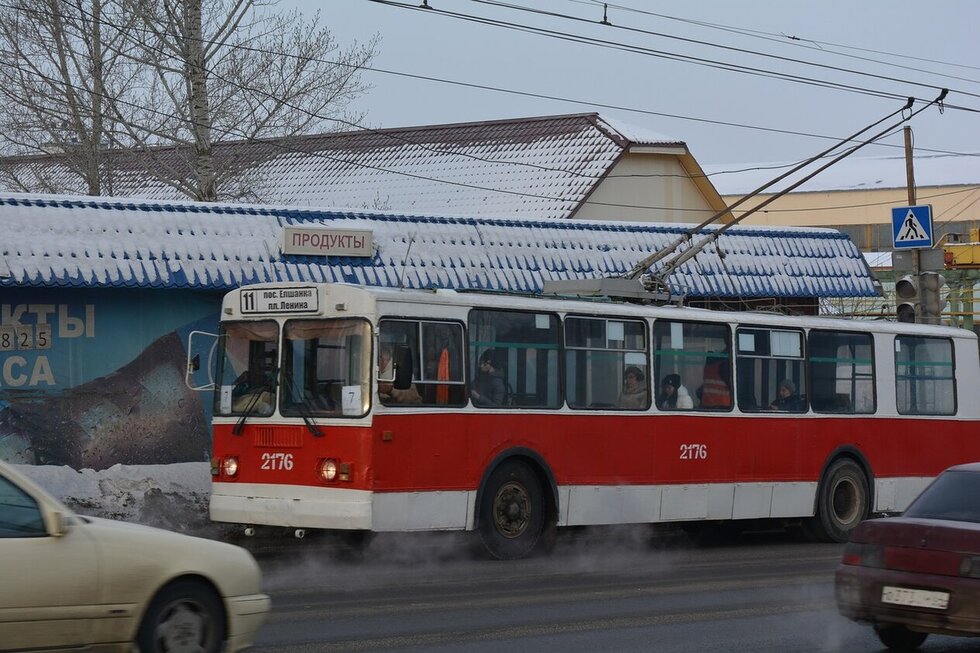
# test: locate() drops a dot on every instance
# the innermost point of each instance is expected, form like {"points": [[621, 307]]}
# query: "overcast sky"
{"points": [[929, 45]]}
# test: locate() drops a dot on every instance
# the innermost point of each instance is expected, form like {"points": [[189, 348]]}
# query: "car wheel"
{"points": [[511, 511], [184, 617], [843, 502], [900, 638]]}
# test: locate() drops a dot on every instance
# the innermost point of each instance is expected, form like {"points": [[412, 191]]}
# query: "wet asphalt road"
{"points": [[600, 589]]}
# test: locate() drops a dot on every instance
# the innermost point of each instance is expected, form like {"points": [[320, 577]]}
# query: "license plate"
{"points": [[915, 598]]}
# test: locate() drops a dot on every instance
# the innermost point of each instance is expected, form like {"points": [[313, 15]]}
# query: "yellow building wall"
{"points": [[647, 188], [860, 207]]}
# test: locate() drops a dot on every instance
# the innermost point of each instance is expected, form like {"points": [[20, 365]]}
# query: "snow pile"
{"points": [[173, 496]]}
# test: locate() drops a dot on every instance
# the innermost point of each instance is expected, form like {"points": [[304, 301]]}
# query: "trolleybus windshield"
{"points": [[248, 357]]}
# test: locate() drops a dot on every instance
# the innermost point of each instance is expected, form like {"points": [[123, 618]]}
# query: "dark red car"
{"points": [[919, 573]]}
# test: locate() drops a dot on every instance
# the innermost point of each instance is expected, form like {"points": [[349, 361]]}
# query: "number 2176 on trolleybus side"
{"points": [[364, 409]]}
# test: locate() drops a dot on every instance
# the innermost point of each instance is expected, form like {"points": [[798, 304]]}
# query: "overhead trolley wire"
{"points": [[662, 54], [644, 265], [797, 41], [658, 281], [730, 48]]}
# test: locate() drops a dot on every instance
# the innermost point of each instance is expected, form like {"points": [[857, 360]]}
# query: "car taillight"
{"points": [[970, 566], [863, 555]]}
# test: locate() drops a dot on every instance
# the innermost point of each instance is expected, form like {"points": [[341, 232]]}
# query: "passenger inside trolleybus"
{"points": [[787, 400], [253, 394], [252, 391], [634, 393], [395, 377], [489, 388], [673, 395]]}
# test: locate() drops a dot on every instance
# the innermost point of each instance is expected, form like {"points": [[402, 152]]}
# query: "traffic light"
{"points": [[907, 307], [919, 299], [931, 302]]}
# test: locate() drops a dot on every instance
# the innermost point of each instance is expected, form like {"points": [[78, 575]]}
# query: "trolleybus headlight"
{"points": [[230, 466], [328, 469]]}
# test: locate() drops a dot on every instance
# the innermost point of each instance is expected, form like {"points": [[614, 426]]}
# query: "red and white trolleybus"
{"points": [[344, 407]]}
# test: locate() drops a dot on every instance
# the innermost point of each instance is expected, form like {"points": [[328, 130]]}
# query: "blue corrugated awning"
{"points": [[76, 242]]}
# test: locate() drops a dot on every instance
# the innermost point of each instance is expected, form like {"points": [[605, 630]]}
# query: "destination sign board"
{"points": [[289, 299]]}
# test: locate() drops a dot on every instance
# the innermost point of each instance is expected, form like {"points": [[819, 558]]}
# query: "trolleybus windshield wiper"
{"points": [[306, 411], [269, 385]]}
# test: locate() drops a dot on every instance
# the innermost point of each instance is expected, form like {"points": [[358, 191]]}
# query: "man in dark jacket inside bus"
{"points": [[488, 387]]}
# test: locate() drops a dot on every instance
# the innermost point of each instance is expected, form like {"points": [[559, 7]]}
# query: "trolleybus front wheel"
{"points": [[511, 511], [842, 503]]}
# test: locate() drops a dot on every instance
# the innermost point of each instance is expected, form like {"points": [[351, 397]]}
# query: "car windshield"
{"points": [[952, 496]]}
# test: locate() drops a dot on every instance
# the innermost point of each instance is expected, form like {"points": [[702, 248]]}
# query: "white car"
{"points": [[72, 581]]}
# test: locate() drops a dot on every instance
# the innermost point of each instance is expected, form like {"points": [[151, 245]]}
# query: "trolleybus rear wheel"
{"points": [[511, 511], [842, 503]]}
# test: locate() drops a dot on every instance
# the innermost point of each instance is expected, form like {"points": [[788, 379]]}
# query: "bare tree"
{"points": [[233, 70], [190, 91], [57, 67]]}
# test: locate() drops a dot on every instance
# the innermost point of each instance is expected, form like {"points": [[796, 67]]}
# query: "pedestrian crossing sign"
{"points": [[912, 226]]}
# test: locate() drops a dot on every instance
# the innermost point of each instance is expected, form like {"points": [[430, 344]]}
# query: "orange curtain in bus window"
{"points": [[442, 374]]}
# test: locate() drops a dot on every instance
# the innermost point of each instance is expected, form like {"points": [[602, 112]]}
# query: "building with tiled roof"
{"points": [[579, 166]]}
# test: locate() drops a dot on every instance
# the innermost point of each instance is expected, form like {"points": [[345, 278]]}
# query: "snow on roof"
{"points": [[871, 173], [639, 135], [540, 167], [100, 242]]}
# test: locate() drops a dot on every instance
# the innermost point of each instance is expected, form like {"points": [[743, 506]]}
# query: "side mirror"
{"points": [[403, 368], [56, 524]]}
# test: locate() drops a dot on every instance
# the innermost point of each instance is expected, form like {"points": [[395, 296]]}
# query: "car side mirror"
{"points": [[56, 524]]}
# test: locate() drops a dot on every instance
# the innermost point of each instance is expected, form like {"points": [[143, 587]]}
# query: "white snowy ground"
{"points": [[173, 496]]}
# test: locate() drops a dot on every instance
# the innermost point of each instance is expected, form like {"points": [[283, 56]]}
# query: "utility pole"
{"points": [[923, 287], [910, 183]]}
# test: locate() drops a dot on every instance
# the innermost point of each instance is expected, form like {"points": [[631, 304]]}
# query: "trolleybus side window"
{"points": [[924, 376], [327, 367], [247, 368], [521, 350], [442, 364], [693, 365], [435, 352], [606, 363], [841, 372], [770, 370]]}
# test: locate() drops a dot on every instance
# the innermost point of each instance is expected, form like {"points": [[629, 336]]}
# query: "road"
{"points": [[601, 589]]}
